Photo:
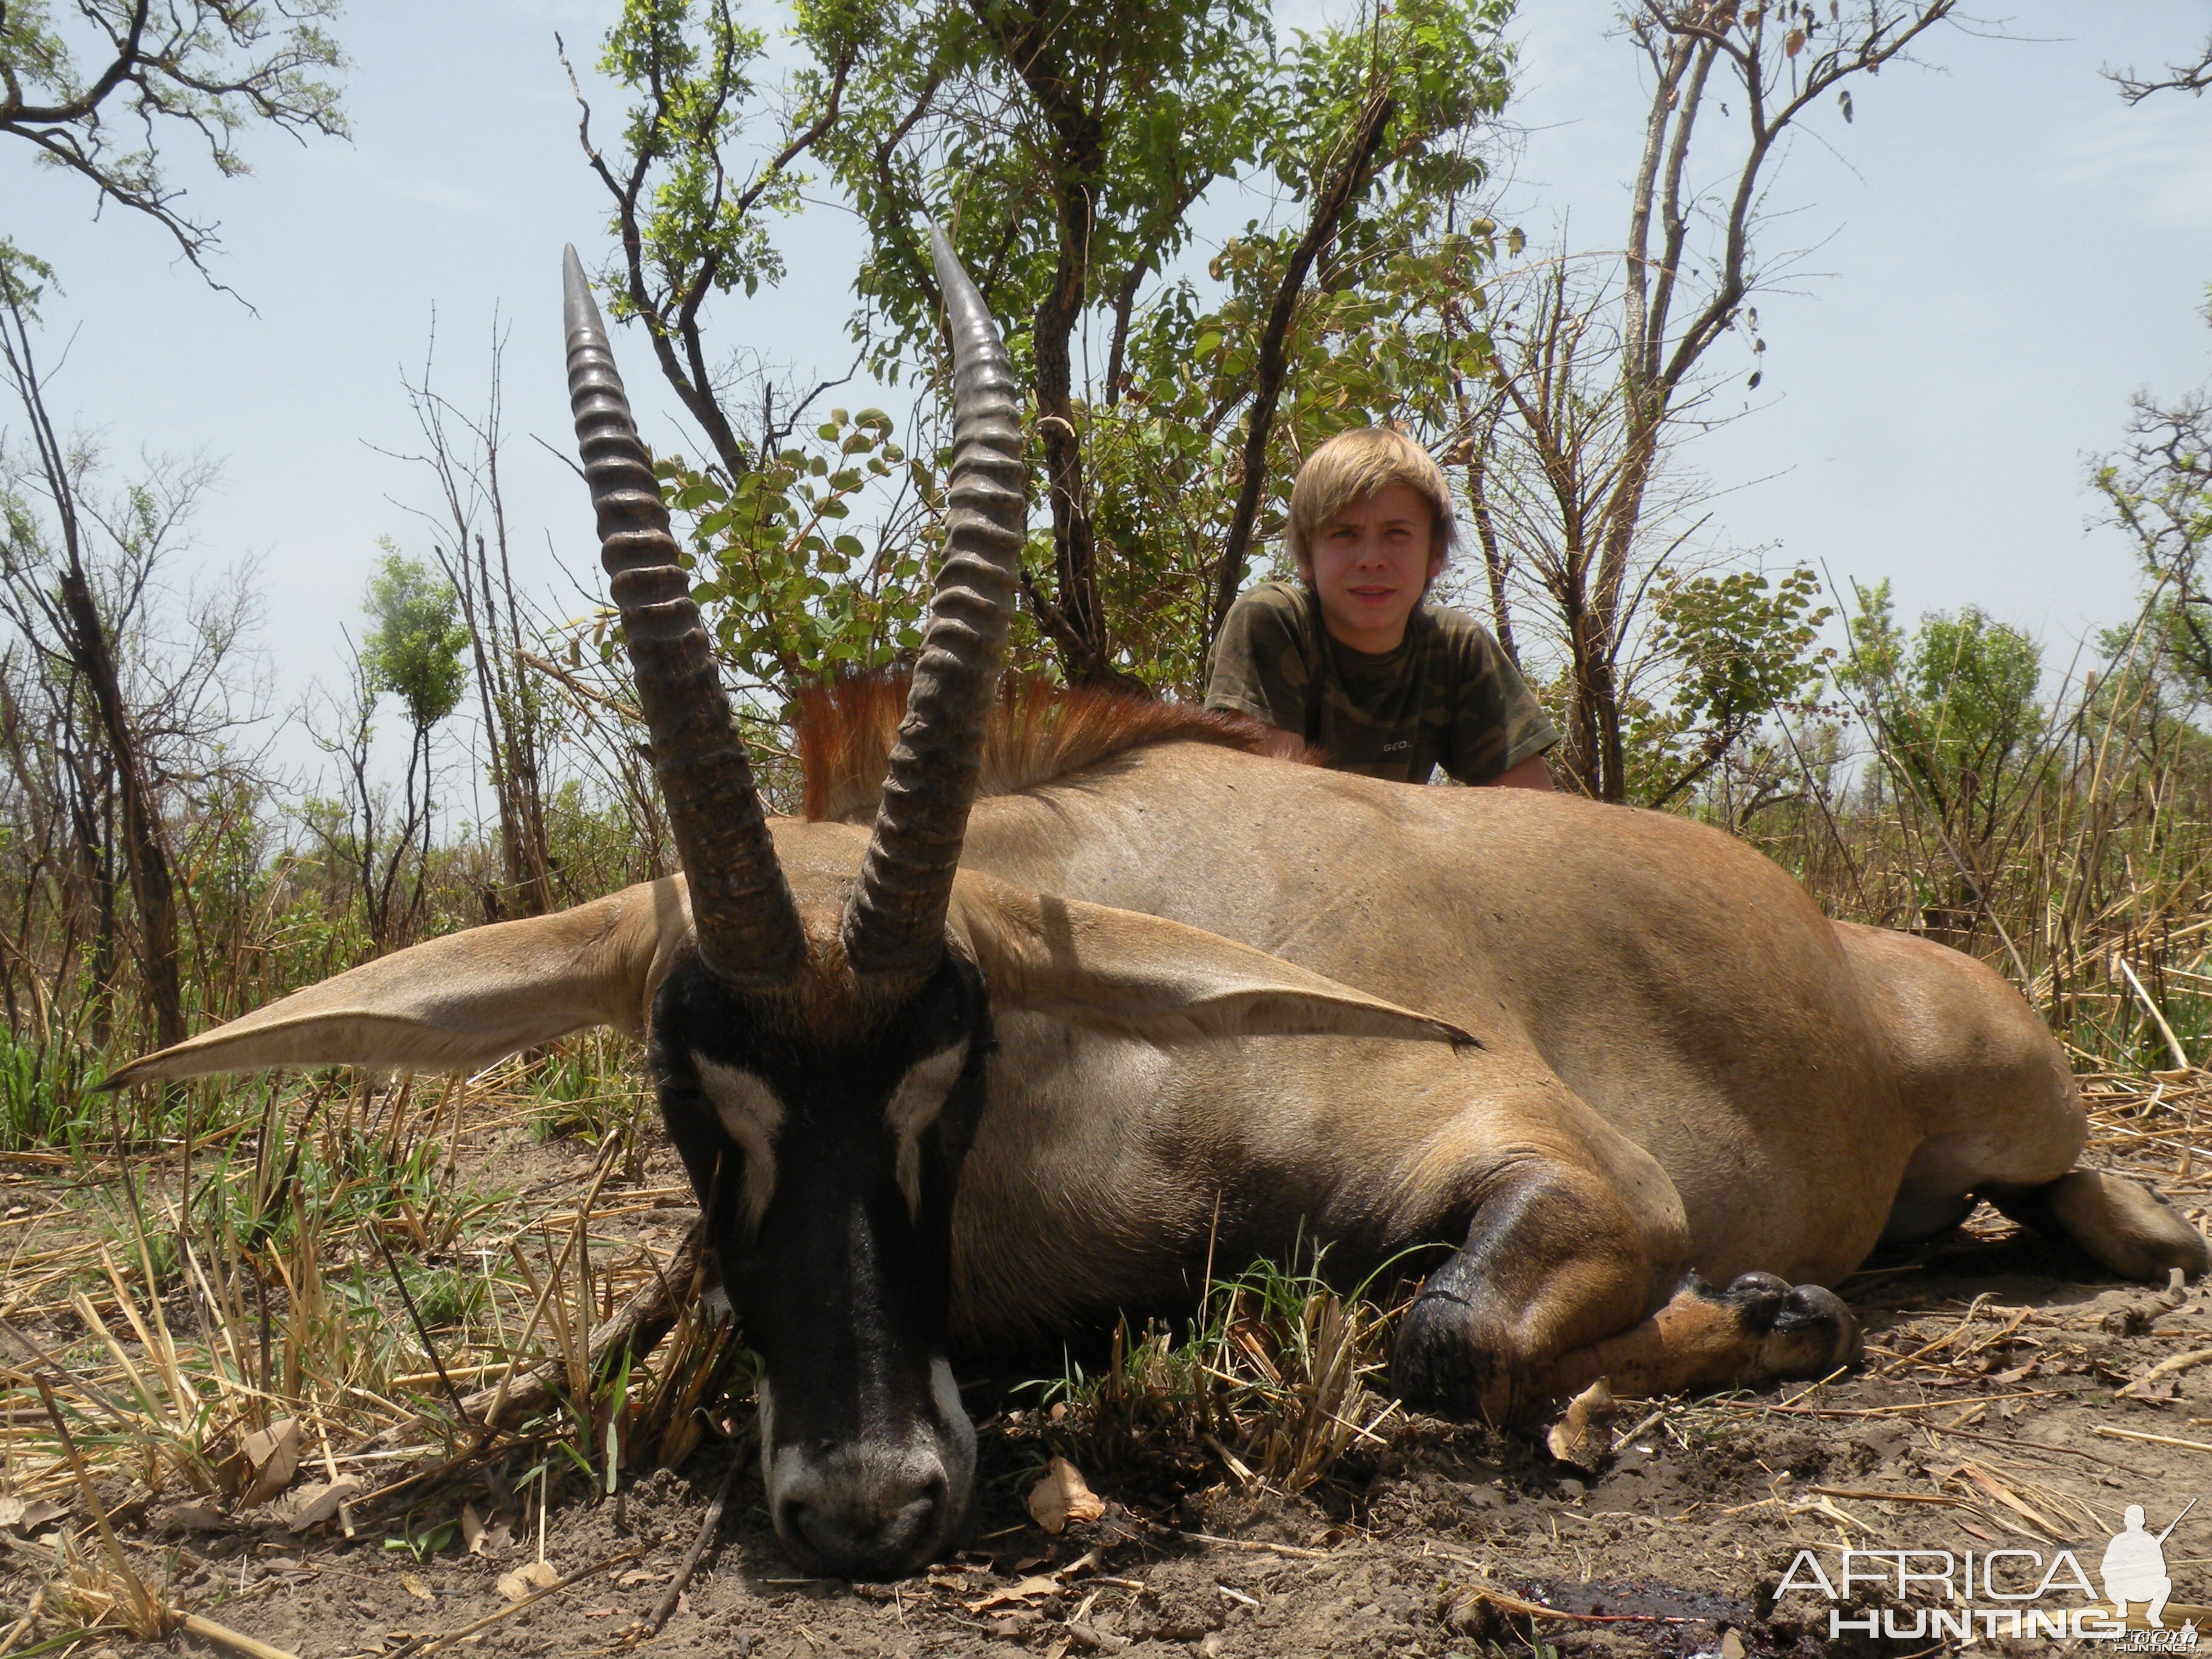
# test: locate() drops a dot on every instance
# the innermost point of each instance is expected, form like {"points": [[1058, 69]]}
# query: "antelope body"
{"points": [[1010, 1034]]}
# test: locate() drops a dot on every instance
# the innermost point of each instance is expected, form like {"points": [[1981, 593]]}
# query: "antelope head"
{"points": [[820, 1064]]}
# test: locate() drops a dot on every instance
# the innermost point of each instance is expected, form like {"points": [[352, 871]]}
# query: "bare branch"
{"points": [[2179, 77]]}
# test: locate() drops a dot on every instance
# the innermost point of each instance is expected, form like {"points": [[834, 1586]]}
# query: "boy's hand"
{"points": [[1531, 773]]}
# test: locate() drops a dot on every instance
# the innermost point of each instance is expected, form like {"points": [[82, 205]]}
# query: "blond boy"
{"points": [[1354, 659]]}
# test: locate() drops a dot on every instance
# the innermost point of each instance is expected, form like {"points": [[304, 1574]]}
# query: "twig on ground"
{"points": [[229, 1640], [1252, 1544], [422, 1645], [665, 1608], [2151, 1439]]}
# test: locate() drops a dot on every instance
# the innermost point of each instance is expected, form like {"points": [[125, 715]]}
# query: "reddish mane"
{"points": [[1039, 731]]}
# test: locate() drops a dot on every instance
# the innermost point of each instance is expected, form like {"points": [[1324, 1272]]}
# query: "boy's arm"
{"points": [[1499, 732], [1259, 667]]}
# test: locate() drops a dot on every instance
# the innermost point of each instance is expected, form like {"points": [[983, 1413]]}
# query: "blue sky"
{"points": [[1995, 254]]}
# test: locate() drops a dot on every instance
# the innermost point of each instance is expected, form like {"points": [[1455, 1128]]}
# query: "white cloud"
{"points": [[2156, 157]]}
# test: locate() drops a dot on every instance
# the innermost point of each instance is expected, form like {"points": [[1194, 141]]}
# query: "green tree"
{"points": [[689, 212], [2158, 489], [413, 650], [1739, 649], [96, 95], [416, 640], [1956, 712], [1066, 148], [1068, 145]]}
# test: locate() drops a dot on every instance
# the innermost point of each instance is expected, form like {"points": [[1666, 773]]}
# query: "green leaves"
{"points": [[1954, 707], [786, 595], [1736, 649], [696, 76], [416, 638], [1746, 645]]}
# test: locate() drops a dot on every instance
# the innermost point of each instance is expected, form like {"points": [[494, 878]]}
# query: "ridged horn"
{"points": [[742, 914], [895, 921]]}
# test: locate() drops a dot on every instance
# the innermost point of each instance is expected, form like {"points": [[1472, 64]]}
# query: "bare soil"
{"points": [[1994, 1360], [1990, 1413]]}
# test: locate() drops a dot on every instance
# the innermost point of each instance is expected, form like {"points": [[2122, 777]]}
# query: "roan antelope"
{"points": [[961, 1072]]}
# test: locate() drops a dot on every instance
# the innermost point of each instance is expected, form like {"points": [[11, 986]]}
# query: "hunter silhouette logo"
{"points": [[2012, 1591], [2134, 1567]]}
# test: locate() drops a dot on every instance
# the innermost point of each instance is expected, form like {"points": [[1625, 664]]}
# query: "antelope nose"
{"points": [[883, 1528]]}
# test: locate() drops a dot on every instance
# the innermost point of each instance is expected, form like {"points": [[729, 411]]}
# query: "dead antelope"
{"points": [[1003, 1037]]}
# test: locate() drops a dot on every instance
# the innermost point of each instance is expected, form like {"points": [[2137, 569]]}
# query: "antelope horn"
{"points": [[742, 914], [895, 921]]}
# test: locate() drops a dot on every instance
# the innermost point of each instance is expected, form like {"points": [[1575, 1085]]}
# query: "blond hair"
{"points": [[1355, 464]]}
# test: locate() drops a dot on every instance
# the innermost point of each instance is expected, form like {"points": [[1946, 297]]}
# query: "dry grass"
{"points": [[292, 1309]]}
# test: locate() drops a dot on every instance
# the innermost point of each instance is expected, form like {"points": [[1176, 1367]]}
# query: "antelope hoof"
{"points": [[1448, 1360], [1803, 1330]]}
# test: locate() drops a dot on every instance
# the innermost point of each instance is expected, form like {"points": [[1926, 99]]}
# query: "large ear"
{"points": [[1122, 970], [460, 1002]]}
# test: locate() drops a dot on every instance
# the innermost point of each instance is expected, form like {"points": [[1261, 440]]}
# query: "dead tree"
{"points": [[1764, 66], [52, 585]]}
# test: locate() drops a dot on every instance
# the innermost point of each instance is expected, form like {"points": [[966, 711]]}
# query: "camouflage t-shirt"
{"points": [[1447, 696]]}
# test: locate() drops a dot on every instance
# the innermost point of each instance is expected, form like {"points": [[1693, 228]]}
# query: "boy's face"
{"points": [[1371, 563]]}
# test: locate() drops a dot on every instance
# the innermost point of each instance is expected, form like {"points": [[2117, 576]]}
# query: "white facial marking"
{"points": [[751, 1112], [778, 1464], [914, 1107]]}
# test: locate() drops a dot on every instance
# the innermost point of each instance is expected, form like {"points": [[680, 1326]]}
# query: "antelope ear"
{"points": [[460, 1002], [1122, 970]]}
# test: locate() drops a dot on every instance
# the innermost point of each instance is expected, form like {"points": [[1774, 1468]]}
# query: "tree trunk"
{"points": [[1623, 511], [1080, 630], [144, 855], [1496, 563], [1331, 202]]}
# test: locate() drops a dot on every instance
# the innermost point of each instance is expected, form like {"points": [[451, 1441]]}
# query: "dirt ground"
{"points": [[1985, 1417], [2013, 1397]]}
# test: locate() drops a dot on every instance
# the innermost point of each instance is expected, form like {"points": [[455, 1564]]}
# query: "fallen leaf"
{"points": [[312, 1505], [472, 1529], [525, 1582], [1026, 1591], [1089, 1638], [415, 1587], [1580, 1437], [195, 1517], [273, 1453], [1061, 1496], [26, 1516]]}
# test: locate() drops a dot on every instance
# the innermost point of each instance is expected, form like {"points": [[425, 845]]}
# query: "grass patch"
{"points": [[1279, 1375]]}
